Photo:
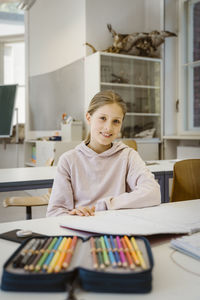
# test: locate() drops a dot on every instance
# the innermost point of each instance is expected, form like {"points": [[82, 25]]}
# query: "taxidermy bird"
{"points": [[141, 43]]}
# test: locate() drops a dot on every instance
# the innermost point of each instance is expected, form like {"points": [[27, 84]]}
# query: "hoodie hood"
{"points": [[116, 147]]}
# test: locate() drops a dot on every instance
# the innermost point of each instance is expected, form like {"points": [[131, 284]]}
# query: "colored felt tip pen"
{"points": [[139, 253], [132, 251], [110, 253]]}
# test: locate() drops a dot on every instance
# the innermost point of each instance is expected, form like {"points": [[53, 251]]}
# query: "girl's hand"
{"points": [[83, 211]]}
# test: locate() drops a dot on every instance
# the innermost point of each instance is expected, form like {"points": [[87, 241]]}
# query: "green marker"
{"points": [[99, 254], [45, 255], [105, 255]]}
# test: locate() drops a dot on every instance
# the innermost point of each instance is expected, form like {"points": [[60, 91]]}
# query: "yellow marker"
{"points": [[132, 251], [63, 255], [56, 256], [139, 254]]}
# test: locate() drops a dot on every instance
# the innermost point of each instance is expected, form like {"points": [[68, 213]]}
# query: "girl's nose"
{"points": [[108, 126]]}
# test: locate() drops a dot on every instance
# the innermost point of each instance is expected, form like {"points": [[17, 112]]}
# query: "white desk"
{"points": [[169, 280], [15, 179]]}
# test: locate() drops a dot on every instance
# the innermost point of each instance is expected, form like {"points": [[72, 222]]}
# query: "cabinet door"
{"points": [[44, 151], [138, 81]]}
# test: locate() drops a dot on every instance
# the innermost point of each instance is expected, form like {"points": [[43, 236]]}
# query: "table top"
{"points": [[26, 174], [14, 179], [38, 177], [161, 165], [173, 273]]}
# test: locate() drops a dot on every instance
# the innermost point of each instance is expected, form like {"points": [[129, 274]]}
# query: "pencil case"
{"points": [[110, 279]]}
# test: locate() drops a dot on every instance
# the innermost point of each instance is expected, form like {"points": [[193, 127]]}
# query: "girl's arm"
{"points": [[142, 189], [61, 200]]}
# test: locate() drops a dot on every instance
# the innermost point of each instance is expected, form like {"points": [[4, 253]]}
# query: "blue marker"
{"points": [[49, 258], [112, 258], [114, 248]]}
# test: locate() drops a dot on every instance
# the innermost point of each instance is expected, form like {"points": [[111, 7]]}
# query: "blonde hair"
{"points": [[103, 98]]}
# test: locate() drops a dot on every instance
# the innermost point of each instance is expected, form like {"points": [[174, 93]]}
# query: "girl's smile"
{"points": [[106, 135]]}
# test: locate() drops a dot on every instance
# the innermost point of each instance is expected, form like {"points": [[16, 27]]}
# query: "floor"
{"points": [[19, 213]]}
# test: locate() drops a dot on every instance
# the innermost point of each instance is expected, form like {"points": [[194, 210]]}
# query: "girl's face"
{"points": [[105, 125]]}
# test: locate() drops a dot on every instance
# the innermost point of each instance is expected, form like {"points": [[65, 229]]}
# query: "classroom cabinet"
{"points": [[139, 81], [38, 153]]}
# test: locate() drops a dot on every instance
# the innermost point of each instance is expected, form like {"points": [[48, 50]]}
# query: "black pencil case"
{"points": [[110, 280]]}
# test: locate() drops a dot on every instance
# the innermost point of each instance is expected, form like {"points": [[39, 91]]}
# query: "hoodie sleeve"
{"points": [[143, 189], [61, 200]]}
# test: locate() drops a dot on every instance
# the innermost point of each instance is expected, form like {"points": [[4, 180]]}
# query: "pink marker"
{"points": [[121, 253]]}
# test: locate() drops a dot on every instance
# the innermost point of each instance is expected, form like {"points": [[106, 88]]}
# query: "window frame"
{"points": [[186, 69], [6, 40]]}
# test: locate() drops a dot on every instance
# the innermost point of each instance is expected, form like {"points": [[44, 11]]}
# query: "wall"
{"points": [[127, 16], [56, 31], [153, 15], [55, 38], [171, 69], [53, 93]]}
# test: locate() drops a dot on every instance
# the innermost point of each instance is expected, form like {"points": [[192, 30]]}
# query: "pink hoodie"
{"points": [[114, 179]]}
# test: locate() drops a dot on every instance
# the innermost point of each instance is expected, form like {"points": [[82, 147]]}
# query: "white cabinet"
{"points": [[139, 82], [180, 147], [37, 153]]}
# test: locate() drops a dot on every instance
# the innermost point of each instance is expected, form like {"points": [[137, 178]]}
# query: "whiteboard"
{"points": [[7, 107]]}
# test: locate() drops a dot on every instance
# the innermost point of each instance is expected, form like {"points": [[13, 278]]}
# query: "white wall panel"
{"points": [[56, 34]]}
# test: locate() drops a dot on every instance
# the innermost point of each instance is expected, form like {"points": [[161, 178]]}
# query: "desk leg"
{"points": [[161, 180], [28, 213]]}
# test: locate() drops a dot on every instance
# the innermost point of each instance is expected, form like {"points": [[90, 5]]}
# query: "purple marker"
{"points": [[121, 253]]}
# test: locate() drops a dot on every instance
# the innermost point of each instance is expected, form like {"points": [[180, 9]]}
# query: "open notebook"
{"points": [[177, 217]]}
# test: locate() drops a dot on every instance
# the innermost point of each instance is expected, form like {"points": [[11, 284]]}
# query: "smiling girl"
{"points": [[100, 174]]}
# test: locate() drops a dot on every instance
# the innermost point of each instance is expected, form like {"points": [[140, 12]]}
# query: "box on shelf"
{"points": [[72, 131]]}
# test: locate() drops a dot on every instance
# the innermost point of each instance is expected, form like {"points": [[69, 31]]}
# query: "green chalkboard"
{"points": [[7, 106]]}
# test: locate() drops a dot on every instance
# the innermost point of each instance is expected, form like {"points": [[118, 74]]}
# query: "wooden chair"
{"points": [[186, 180], [130, 143], [29, 201]]}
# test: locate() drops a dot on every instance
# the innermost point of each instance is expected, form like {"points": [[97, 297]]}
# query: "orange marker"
{"points": [[128, 256], [139, 254], [62, 255], [70, 252], [133, 253]]}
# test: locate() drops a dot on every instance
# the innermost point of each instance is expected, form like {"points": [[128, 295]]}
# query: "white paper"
{"points": [[177, 217], [189, 245]]}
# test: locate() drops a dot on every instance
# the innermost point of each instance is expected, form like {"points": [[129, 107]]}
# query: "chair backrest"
{"points": [[186, 180], [130, 143]]}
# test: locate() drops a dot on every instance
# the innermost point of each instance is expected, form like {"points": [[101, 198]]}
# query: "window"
{"points": [[12, 53], [190, 66], [14, 72]]}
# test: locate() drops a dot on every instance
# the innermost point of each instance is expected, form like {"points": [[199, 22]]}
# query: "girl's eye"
{"points": [[103, 118], [117, 121]]}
